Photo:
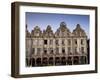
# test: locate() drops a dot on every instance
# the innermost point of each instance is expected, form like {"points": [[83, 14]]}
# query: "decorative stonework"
{"points": [[48, 32], [78, 31], [56, 48], [62, 31], [36, 32]]}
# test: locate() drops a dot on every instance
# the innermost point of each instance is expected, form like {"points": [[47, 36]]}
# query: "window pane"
{"points": [[63, 42], [69, 50], [75, 41], [57, 50], [38, 50], [45, 42], [63, 50], [33, 51], [82, 41]]}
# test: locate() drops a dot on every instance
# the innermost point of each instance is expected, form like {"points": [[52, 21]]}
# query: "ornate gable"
{"points": [[78, 31], [62, 31], [36, 32], [48, 32]]}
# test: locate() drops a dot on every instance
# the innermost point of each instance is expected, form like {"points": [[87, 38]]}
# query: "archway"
{"points": [[57, 61], [51, 61], [69, 60], [75, 60], [45, 61], [38, 61], [63, 61]]}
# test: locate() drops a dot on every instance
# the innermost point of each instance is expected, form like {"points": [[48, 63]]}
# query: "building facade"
{"points": [[63, 47]]}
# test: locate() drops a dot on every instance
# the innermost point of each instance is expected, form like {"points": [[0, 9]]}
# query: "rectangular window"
{"points": [[57, 50], [82, 49], [69, 42], [69, 50], [75, 49], [63, 50], [57, 42], [51, 50], [45, 50], [51, 42], [45, 42], [63, 42], [82, 41], [33, 50], [75, 41], [38, 50]]}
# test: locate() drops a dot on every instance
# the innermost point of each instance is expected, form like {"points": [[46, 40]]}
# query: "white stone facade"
{"points": [[63, 47]]}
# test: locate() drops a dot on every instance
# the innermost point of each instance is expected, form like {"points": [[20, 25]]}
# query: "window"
{"points": [[82, 49], [57, 42], [38, 50], [69, 42], [75, 41], [57, 50], [75, 49], [63, 50], [45, 42], [51, 50], [82, 41], [45, 51], [33, 51], [63, 42], [51, 41], [69, 50]]}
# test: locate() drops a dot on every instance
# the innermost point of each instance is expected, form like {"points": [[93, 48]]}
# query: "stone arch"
{"points": [[76, 60], [57, 61], [69, 60], [63, 60], [51, 61], [45, 61], [38, 61]]}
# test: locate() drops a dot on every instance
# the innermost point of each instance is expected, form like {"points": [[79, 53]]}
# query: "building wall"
{"points": [[62, 43]]}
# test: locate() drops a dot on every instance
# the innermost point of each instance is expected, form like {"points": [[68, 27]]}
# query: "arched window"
{"points": [[63, 61], [51, 61], [57, 61], [38, 61], [76, 60], [33, 62], [45, 61], [69, 60]]}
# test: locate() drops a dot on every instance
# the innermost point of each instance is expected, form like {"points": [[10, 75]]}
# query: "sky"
{"points": [[44, 19]]}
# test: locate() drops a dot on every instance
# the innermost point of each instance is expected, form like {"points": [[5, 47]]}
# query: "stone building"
{"points": [[63, 47]]}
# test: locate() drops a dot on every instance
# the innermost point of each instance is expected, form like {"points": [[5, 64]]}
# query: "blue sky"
{"points": [[44, 19]]}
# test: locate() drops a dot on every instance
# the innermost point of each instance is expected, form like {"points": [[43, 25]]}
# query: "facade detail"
{"points": [[63, 47]]}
